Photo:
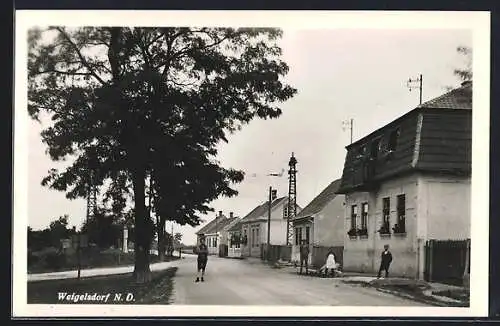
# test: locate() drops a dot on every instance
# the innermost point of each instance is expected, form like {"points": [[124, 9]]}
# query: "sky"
{"points": [[340, 74]]}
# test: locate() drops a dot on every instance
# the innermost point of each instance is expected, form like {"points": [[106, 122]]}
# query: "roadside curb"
{"points": [[411, 297]]}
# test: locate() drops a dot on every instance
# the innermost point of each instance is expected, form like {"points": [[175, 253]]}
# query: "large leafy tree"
{"points": [[130, 104]]}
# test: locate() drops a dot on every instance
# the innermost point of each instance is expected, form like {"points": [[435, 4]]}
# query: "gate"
{"points": [[320, 253], [446, 261]]}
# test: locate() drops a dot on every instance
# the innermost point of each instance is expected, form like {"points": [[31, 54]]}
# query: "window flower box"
{"points": [[363, 233], [385, 230], [399, 230]]}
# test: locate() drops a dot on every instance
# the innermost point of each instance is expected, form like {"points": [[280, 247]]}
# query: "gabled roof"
{"points": [[218, 227], [318, 203], [458, 99], [236, 226], [261, 211], [211, 224]]}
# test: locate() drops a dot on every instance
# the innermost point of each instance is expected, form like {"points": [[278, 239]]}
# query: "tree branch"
{"points": [[84, 62]]}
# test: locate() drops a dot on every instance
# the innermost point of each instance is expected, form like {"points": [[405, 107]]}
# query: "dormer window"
{"points": [[375, 148], [393, 140], [361, 152]]}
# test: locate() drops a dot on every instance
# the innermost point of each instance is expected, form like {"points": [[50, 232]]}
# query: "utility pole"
{"points": [[272, 196], [416, 84], [348, 124], [292, 198]]}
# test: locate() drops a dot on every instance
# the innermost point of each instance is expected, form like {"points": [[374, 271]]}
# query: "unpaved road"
{"points": [[241, 282]]}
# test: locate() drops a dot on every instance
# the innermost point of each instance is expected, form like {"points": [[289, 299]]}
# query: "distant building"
{"points": [[409, 182], [254, 227], [216, 235], [321, 225], [235, 238]]}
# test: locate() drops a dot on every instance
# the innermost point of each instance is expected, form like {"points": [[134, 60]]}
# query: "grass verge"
{"points": [[110, 289]]}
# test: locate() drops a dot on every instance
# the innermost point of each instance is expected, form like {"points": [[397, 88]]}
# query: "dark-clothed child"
{"points": [[202, 252], [304, 256], [385, 261]]}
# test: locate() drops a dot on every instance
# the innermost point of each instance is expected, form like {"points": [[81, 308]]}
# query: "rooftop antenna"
{"points": [[348, 124], [415, 84]]}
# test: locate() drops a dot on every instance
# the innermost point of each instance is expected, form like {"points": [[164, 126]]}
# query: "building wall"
{"points": [[363, 254], [278, 232], [297, 241], [245, 248], [277, 236], [440, 219], [429, 215], [328, 228], [210, 240]]}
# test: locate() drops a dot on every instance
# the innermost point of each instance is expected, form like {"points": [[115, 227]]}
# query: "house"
{"points": [[235, 238], [321, 225], [215, 233], [254, 227], [409, 182], [223, 233], [209, 231]]}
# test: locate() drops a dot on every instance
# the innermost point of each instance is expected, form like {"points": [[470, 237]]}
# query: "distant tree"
{"points": [[129, 103], [51, 236], [178, 242], [464, 73], [103, 229], [59, 230]]}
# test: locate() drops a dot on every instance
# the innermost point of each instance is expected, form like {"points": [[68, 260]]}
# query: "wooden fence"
{"points": [[276, 253], [447, 261], [319, 255]]}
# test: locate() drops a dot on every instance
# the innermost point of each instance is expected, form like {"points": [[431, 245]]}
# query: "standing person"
{"points": [[304, 256], [202, 252], [385, 261], [331, 264]]}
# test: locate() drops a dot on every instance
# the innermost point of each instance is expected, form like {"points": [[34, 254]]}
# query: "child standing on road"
{"points": [[202, 252], [304, 256], [385, 262]]}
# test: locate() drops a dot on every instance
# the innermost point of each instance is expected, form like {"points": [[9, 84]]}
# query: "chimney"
{"points": [[230, 214], [220, 213]]}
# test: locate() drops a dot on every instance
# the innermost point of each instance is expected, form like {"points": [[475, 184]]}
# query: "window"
{"points": [[364, 216], [257, 240], [361, 151], [386, 214], [298, 236], [285, 210], [375, 148], [253, 237], [354, 214], [401, 208], [393, 140], [215, 242], [307, 234]]}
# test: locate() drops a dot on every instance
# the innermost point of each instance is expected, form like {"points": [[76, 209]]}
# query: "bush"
{"points": [[55, 260]]}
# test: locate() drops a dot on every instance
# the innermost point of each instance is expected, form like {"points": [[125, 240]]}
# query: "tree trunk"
{"points": [[142, 272], [161, 244]]}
